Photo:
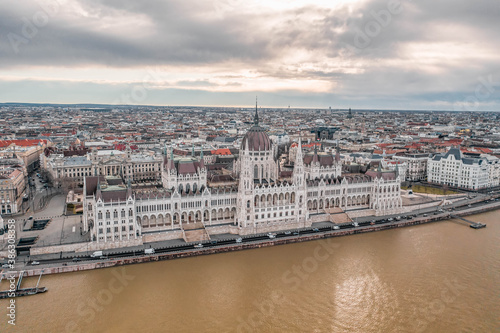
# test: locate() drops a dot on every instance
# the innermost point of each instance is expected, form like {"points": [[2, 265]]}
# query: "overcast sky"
{"points": [[379, 54]]}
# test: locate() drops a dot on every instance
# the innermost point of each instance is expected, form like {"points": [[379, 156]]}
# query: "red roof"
{"points": [[382, 145], [311, 145], [223, 151], [21, 143]]}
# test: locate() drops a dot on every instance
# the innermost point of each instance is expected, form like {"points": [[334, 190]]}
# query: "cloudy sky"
{"points": [[372, 54]]}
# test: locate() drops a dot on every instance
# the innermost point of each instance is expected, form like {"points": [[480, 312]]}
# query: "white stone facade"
{"points": [[416, 166], [453, 169], [260, 202]]}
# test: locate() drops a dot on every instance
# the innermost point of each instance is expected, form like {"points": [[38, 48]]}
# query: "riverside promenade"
{"points": [[252, 243]]}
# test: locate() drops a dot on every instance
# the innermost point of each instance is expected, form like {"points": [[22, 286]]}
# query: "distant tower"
{"points": [[349, 115], [256, 116]]}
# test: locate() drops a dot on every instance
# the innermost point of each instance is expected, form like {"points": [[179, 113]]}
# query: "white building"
{"points": [[453, 169], [416, 166]]}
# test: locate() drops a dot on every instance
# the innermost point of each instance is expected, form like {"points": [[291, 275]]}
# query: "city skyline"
{"points": [[359, 54]]}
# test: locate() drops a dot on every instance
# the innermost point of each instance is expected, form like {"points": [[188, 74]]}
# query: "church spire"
{"points": [[202, 163], [256, 117]]}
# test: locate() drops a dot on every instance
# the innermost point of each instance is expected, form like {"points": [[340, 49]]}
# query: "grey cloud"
{"points": [[190, 33]]}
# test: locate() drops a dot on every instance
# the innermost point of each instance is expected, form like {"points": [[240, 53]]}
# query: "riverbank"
{"points": [[254, 245]]}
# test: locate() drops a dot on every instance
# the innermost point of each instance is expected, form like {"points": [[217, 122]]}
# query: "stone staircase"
{"points": [[195, 232], [337, 215]]}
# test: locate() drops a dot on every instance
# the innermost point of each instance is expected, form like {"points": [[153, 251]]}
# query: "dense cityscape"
{"points": [[146, 152], [249, 166]]}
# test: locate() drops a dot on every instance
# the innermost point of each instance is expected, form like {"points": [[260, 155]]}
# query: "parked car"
{"points": [[198, 246], [34, 263], [336, 227], [288, 233], [316, 230], [239, 240]]}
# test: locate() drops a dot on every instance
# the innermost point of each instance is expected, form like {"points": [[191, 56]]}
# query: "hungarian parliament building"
{"points": [[255, 197]]}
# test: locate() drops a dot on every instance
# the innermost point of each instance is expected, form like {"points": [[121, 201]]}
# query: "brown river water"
{"points": [[439, 277]]}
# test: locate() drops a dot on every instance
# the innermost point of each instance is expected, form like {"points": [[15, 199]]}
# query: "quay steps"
{"points": [[195, 232], [196, 235], [337, 215]]}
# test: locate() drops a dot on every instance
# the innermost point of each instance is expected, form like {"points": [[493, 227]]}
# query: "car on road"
{"points": [[390, 219], [5, 266], [336, 227], [296, 233], [213, 242], [239, 240], [288, 233], [198, 246], [271, 235], [316, 230], [355, 224], [34, 263]]}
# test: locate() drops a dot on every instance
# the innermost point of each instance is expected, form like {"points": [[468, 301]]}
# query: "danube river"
{"points": [[439, 277]]}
